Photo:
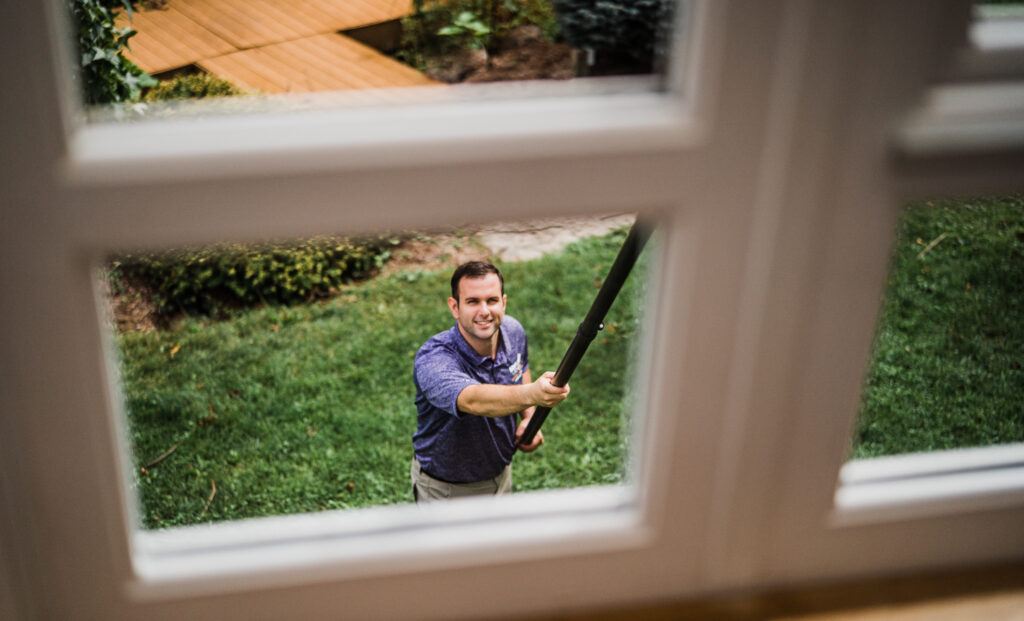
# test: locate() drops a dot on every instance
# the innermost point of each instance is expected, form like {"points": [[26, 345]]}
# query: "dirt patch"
{"points": [[523, 55], [532, 60], [428, 252], [131, 306], [507, 241]]}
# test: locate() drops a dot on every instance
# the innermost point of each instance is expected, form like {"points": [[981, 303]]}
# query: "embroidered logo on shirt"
{"points": [[516, 368]]}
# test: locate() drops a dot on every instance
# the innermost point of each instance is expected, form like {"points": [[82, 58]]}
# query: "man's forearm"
{"points": [[494, 399], [501, 400]]}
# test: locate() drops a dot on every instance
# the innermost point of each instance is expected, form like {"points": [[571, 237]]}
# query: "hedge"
{"points": [[212, 279], [192, 86]]}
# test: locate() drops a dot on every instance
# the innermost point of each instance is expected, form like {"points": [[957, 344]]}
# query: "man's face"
{"points": [[479, 309]]}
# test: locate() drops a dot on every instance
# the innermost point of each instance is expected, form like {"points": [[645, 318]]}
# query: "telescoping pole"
{"points": [[594, 321]]}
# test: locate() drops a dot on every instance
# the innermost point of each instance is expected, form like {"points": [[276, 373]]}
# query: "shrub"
{"points": [[438, 27], [107, 76], [538, 13], [208, 280], [629, 28], [192, 86], [435, 28]]}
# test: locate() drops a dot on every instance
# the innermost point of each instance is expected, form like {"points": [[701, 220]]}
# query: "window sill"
{"points": [[928, 484], [340, 545], [443, 133]]}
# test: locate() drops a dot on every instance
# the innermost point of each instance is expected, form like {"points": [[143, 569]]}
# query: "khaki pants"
{"points": [[426, 488]]}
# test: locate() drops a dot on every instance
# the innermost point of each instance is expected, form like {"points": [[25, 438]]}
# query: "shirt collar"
{"points": [[471, 354]]}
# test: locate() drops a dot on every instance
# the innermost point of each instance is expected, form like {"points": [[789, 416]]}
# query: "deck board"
{"points": [[234, 67], [334, 73], [169, 39], [253, 23], [273, 46], [319, 63], [190, 30]]}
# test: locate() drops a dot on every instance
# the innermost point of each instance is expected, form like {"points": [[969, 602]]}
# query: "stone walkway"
{"points": [[522, 241]]}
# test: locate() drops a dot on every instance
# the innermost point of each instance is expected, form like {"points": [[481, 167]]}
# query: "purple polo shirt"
{"points": [[456, 446]]}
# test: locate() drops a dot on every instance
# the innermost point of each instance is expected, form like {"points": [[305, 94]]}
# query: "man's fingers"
{"points": [[555, 390], [537, 441], [549, 395]]}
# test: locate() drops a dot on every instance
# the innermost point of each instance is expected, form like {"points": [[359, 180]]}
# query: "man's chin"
{"points": [[484, 333]]}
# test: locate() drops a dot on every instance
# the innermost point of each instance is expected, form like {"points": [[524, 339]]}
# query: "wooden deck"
{"points": [[253, 23], [169, 39], [327, 62], [274, 46]]}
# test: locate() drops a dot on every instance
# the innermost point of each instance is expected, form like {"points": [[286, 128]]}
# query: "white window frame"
{"points": [[771, 164]]}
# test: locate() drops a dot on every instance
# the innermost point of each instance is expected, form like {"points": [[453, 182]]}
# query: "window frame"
{"points": [[755, 281]]}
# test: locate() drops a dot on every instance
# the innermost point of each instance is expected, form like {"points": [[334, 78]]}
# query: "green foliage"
{"points": [[107, 76], [628, 28], [947, 369], [208, 280], [466, 30], [192, 86], [306, 408], [439, 27], [516, 13], [434, 29]]}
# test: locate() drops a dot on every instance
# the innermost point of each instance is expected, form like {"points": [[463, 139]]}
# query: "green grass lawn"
{"points": [[289, 410], [947, 365]]}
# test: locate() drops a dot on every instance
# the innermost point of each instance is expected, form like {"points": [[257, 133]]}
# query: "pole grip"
{"points": [[594, 321], [533, 426]]}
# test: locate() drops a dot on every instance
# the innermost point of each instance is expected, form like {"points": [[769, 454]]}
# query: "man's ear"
{"points": [[453, 306]]}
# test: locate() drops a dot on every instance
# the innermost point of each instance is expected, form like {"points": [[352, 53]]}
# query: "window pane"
{"points": [[169, 50], [947, 370], [281, 381]]}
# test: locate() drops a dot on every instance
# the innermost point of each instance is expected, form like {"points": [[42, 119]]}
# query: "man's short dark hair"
{"points": [[474, 269]]}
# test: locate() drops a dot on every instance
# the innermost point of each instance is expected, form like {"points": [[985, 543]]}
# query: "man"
{"points": [[471, 383]]}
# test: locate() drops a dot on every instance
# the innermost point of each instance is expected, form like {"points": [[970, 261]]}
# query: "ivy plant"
{"points": [[106, 75]]}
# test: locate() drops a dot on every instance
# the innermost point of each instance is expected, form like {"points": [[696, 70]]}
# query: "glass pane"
{"points": [[154, 51], [947, 370], [998, 25], [279, 379]]}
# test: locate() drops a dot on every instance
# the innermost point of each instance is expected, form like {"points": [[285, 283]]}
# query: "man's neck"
{"points": [[487, 348]]}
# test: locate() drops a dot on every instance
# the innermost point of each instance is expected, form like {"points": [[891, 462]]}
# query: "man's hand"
{"points": [[543, 392], [538, 439]]}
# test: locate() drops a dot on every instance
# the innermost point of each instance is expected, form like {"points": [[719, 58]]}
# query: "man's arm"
{"points": [[499, 400]]}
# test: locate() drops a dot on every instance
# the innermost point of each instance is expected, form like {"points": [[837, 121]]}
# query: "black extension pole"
{"points": [[594, 321]]}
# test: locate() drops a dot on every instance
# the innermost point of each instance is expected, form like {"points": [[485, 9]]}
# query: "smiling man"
{"points": [[472, 383]]}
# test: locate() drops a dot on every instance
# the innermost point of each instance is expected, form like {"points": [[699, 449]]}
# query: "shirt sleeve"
{"points": [[441, 377]]}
